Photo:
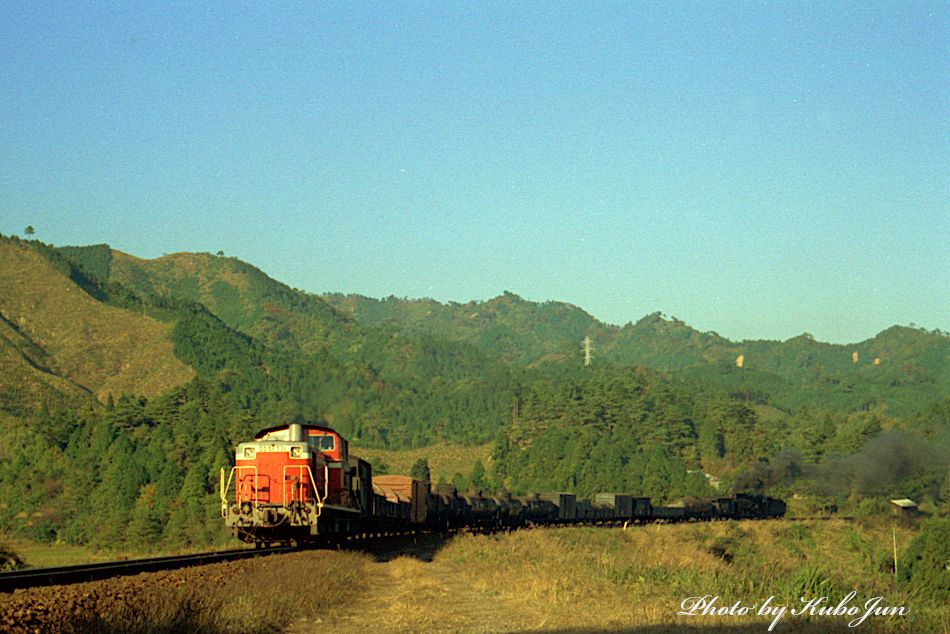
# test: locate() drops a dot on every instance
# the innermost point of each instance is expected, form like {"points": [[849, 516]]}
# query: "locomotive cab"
{"points": [[333, 448], [329, 443], [289, 477]]}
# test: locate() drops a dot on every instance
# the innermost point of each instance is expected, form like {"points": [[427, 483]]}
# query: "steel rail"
{"points": [[62, 575]]}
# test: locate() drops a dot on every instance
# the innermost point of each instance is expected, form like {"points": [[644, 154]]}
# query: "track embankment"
{"points": [[248, 596], [63, 575]]}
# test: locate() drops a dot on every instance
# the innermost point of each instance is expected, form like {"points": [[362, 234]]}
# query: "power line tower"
{"points": [[588, 349]]}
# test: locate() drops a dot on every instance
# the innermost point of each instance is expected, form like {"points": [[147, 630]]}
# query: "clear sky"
{"points": [[756, 169]]}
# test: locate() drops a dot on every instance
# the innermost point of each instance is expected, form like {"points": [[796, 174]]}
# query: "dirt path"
{"points": [[407, 594]]}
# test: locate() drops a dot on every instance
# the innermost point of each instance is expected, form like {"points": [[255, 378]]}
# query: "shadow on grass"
{"points": [[422, 547]]}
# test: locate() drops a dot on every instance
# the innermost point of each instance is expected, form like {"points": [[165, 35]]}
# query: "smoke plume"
{"points": [[783, 468], [889, 462]]}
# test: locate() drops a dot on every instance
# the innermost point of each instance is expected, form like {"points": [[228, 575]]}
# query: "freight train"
{"points": [[297, 483]]}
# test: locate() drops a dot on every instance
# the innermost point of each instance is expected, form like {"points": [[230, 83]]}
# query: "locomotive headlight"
{"points": [[249, 452], [296, 452]]}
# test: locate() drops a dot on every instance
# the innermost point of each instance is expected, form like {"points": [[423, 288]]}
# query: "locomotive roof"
{"points": [[264, 432]]}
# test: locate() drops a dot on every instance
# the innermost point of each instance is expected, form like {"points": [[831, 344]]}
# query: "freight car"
{"points": [[298, 483]]}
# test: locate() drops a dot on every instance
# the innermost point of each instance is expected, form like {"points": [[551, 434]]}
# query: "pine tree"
{"points": [[420, 471], [145, 527], [478, 475]]}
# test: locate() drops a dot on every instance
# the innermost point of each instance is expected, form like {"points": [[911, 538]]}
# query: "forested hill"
{"points": [[903, 368], [104, 324], [423, 379], [508, 327], [241, 296], [532, 334]]}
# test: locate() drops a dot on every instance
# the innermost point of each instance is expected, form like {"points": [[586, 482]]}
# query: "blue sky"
{"points": [[755, 169]]}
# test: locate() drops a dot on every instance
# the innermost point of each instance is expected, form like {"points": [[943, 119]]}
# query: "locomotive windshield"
{"points": [[324, 443]]}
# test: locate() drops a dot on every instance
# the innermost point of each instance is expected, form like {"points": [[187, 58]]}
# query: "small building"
{"points": [[904, 507]]}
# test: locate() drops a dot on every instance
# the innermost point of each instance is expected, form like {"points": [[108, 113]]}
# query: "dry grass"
{"points": [[414, 590], [609, 579], [408, 595], [565, 580], [311, 584]]}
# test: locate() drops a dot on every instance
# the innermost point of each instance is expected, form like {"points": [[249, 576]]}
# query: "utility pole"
{"points": [[588, 349], [894, 536]]}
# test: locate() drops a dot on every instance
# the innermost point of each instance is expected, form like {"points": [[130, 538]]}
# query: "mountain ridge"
{"points": [[409, 342]]}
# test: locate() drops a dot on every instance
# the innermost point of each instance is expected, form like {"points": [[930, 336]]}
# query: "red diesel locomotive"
{"points": [[295, 482]]}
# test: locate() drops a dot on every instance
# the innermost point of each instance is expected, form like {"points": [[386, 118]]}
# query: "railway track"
{"points": [[37, 577]]}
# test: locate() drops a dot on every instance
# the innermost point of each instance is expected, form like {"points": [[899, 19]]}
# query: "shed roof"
{"points": [[904, 503]]}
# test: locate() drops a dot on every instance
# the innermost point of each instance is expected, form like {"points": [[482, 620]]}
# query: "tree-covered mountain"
{"points": [[126, 383], [507, 327], [903, 368], [241, 296], [221, 317], [427, 387], [407, 354]]}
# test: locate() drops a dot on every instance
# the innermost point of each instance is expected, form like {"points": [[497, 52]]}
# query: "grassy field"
{"points": [[38, 555], [45, 555], [609, 579], [567, 580]]}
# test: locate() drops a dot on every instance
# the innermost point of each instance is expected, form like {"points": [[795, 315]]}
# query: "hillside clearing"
{"points": [[444, 460]]}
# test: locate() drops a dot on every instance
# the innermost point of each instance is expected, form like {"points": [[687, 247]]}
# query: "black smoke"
{"points": [[782, 469], [892, 463]]}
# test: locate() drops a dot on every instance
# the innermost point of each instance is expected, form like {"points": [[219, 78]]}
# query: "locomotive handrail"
{"points": [[313, 484], [225, 487], [313, 481], [293, 488], [326, 487]]}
